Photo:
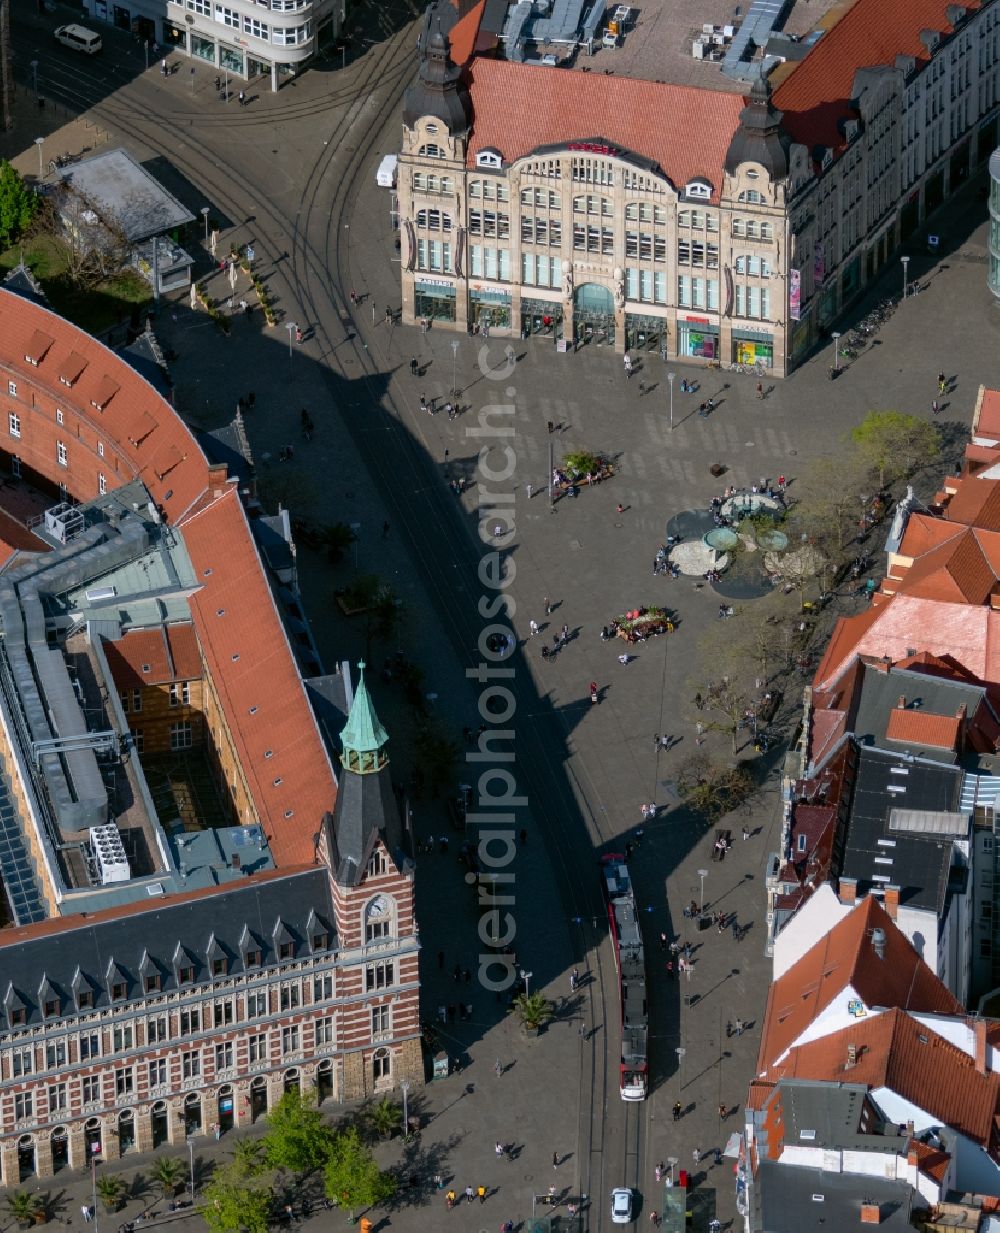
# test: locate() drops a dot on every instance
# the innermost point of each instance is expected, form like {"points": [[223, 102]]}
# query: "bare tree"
{"points": [[96, 242]]}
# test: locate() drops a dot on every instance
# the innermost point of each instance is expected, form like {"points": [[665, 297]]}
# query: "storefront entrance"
{"points": [[541, 317], [158, 1124], [698, 339], [324, 1081], [94, 1135], [225, 1118], [59, 1142], [753, 349], [645, 333], [121, 17], [490, 309], [257, 68], [25, 1157], [258, 1098], [126, 1131], [434, 301], [594, 315]]}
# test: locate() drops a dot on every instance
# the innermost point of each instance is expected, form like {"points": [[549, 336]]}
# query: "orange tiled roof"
{"points": [[930, 1160], [845, 959], [923, 728], [170, 653], [135, 401], [463, 34], [519, 108], [976, 504], [963, 570], [967, 633], [816, 94], [258, 682], [15, 537], [923, 532], [895, 1051]]}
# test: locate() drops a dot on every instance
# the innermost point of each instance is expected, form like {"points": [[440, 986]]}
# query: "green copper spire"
{"points": [[363, 739]]}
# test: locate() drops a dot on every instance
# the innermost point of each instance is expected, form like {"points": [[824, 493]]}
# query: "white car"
{"points": [[621, 1205]]}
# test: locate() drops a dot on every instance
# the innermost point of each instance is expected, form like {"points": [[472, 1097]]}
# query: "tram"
{"points": [[630, 964]]}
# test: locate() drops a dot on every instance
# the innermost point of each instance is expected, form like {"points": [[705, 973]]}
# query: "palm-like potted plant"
{"points": [[112, 1191], [385, 1117], [535, 1010], [168, 1173], [24, 1207]]}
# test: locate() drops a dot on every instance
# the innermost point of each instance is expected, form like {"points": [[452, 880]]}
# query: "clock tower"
{"points": [[367, 845]]}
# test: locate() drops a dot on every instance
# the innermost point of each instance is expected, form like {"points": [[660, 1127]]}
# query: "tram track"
{"points": [[318, 275]]}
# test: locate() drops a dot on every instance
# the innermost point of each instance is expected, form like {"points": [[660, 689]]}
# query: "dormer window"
{"points": [[185, 974], [152, 982], [249, 949], [49, 1000], [252, 958], [183, 965], [489, 158], [18, 1016], [83, 993], [119, 991], [219, 966], [701, 190], [51, 1008], [284, 943]]}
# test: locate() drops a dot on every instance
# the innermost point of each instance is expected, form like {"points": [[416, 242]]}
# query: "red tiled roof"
{"points": [[464, 33], [15, 537], [930, 1160], [924, 532], [845, 959], [962, 570], [176, 491], [976, 504], [817, 91], [895, 1051], [922, 728], [521, 107], [253, 670], [149, 648]]}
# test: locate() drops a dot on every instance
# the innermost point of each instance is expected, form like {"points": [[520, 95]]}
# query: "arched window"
{"points": [[430, 150], [700, 189], [381, 1065], [751, 196], [489, 158], [378, 919]]}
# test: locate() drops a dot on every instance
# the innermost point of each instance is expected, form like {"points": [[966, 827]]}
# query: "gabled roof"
{"points": [[964, 569], [895, 1051], [255, 675], [817, 92], [976, 503], [519, 108], [154, 656], [845, 959], [924, 532], [923, 728]]}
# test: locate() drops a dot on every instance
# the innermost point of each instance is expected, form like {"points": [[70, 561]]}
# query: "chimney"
{"points": [[848, 890], [901, 704], [911, 1156], [982, 1054], [890, 902], [852, 1056], [878, 942], [871, 1213]]}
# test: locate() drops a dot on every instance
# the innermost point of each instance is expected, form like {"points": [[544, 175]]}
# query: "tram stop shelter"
{"points": [[113, 192]]}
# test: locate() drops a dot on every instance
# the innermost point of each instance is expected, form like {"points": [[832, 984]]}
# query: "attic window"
{"points": [[289, 813], [431, 130], [286, 950], [320, 941], [207, 572], [37, 348], [185, 975], [50, 1008], [801, 843], [808, 1135], [18, 1017], [152, 982], [219, 967], [819, 1198], [147, 668], [220, 612], [119, 991], [268, 753], [70, 372], [105, 392], [251, 958], [253, 710], [84, 999], [235, 658], [699, 189], [489, 158], [276, 782]]}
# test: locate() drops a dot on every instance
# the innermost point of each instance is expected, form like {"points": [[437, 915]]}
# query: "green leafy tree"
{"points": [[895, 444], [297, 1139], [18, 205], [168, 1173], [352, 1178], [384, 1117], [233, 1202]]}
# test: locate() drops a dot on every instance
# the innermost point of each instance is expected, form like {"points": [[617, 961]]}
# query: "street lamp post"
{"points": [[204, 214], [40, 142], [904, 261], [145, 47], [680, 1051], [836, 349], [454, 368], [34, 78], [526, 977], [702, 875], [291, 327], [190, 1143], [404, 1087], [671, 1165], [670, 383]]}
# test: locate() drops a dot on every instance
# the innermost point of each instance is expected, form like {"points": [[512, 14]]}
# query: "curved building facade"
{"points": [[993, 276]]}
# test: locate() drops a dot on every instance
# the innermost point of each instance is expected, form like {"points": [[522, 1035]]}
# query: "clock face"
{"points": [[378, 906]]}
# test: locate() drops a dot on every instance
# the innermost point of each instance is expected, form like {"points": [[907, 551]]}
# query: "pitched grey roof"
{"points": [[92, 953], [830, 1115], [366, 808], [794, 1199]]}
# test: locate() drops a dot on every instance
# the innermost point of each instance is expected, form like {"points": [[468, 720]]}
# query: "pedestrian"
{"points": [[298, 334], [696, 1156], [481, 1192], [354, 297], [942, 380], [656, 740], [564, 633], [738, 1027], [723, 1111], [555, 1165], [781, 483], [583, 1031], [498, 1067], [507, 1227], [677, 1110], [438, 1181], [935, 407], [423, 403], [547, 606], [218, 82], [530, 490], [533, 628], [388, 315], [243, 99], [703, 411], [718, 1156], [552, 1195], [574, 979], [450, 1199], [654, 1219], [470, 1194], [619, 508], [85, 1212], [628, 366], [746, 833], [663, 940], [499, 1150], [760, 389], [624, 660], [163, 68]]}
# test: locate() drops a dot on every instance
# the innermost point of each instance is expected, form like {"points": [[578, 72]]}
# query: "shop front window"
{"points": [[434, 303], [203, 49], [231, 60]]}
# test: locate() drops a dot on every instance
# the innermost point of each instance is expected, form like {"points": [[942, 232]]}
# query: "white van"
{"points": [[80, 39], [385, 177]]}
